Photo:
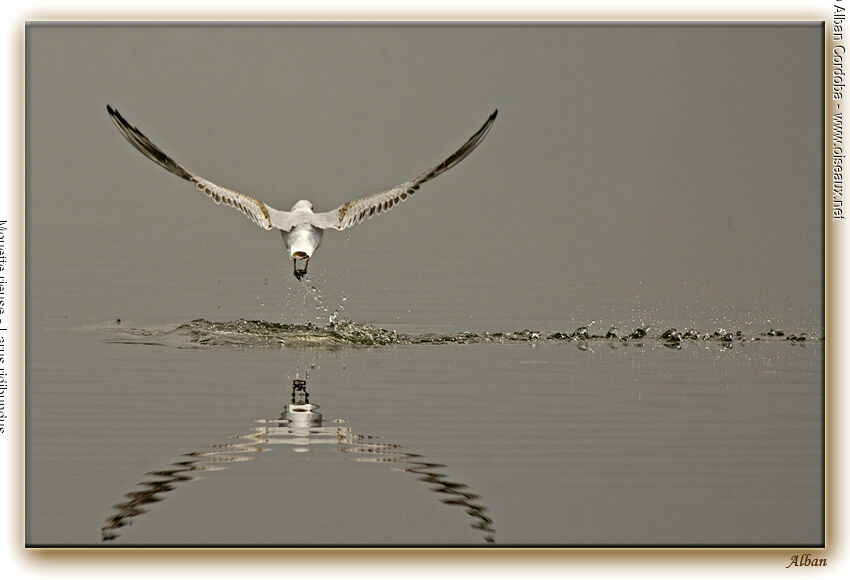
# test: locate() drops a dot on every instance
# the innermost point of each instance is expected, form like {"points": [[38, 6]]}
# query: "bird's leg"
{"points": [[299, 273]]}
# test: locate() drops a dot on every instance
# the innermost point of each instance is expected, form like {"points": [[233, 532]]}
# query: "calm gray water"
{"points": [[637, 177]]}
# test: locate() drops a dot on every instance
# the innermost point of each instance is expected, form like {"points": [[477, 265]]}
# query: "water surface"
{"points": [[536, 442]]}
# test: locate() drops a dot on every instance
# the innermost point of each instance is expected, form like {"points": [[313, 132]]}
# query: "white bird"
{"points": [[301, 228]]}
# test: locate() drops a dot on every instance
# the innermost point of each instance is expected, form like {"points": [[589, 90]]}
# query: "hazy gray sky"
{"points": [[663, 168]]}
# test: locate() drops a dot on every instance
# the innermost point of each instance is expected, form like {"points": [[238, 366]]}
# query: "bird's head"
{"points": [[302, 204]]}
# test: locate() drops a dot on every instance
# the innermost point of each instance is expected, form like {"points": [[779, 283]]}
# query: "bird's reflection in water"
{"points": [[301, 426]]}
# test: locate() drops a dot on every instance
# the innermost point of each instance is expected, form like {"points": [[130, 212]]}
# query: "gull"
{"points": [[300, 227]]}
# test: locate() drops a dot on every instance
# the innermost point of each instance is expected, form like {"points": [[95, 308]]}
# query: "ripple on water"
{"points": [[345, 333]]}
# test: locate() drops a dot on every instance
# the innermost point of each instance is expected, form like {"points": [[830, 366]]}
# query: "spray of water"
{"points": [[343, 333]]}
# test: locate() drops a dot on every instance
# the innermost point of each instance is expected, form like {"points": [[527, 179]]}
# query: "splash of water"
{"points": [[312, 299], [342, 333]]}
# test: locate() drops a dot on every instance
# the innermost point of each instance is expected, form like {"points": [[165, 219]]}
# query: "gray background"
{"points": [[636, 175], [657, 174]]}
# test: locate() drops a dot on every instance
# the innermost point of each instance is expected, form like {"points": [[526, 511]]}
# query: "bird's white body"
{"points": [[303, 238], [301, 228]]}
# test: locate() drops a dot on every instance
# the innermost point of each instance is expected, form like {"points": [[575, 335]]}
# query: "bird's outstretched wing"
{"points": [[356, 211], [264, 216]]}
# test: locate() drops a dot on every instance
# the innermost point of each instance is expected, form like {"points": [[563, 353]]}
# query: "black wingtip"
{"points": [[144, 145], [116, 116]]}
